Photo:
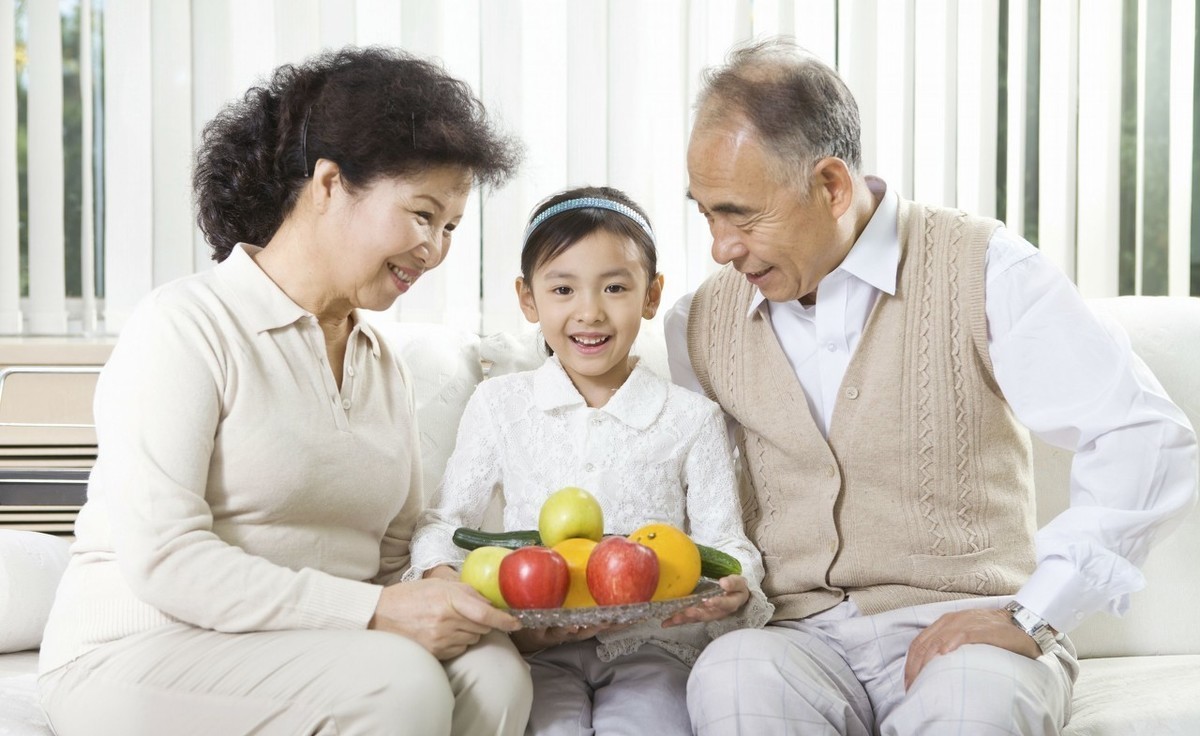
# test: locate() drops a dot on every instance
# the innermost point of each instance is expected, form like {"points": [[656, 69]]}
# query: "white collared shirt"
{"points": [[1070, 377], [654, 452]]}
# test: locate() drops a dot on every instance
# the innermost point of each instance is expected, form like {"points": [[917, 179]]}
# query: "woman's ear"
{"points": [[326, 182], [525, 298], [653, 297]]}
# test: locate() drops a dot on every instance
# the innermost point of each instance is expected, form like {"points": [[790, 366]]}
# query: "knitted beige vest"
{"points": [[924, 490]]}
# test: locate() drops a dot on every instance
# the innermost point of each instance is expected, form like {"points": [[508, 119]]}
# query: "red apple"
{"points": [[621, 571], [534, 577]]}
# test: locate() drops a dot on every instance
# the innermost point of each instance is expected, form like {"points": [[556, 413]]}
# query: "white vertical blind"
{"points": [[858, 42], [1140, 178], [1058, 84], [1098, 205], [935, 103], [816, 27], [893, 137], [1018, 39], [171, 137], [47, 280], [978, 88], [378, 21], [87, 221], [10, 254], [1182, 110], [129, 184], [601, 92]]}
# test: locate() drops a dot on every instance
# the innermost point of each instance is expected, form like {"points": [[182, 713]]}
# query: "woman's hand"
{"points": [[443, 616], [737, 592], [533, 640]]}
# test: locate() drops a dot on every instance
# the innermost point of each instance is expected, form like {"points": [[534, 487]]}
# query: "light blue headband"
{"points": [[584, 202]]}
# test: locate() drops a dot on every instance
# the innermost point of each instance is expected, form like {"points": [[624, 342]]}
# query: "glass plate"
{"points": [[630, 613]]}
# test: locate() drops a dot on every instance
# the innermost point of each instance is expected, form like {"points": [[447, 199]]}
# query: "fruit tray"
{"points": [[631, 613]]}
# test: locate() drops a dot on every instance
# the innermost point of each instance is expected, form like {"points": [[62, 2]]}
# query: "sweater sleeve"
{"points": [[715, 517], [158, 408], [473, 474]]}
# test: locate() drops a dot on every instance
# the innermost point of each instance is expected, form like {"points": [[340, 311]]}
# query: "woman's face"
{"points": [[382, 237]]}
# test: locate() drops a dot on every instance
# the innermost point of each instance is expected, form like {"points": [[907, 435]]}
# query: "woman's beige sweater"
{"points": [[236, 487]]}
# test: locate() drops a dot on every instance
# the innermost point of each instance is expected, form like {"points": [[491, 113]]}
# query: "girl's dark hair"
{"points": [[563, 230], [374, 111]]}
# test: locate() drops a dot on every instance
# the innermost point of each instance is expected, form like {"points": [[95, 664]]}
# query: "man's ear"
{"points": [[326, 182], [834, 183], [653, 297], [525, 298]]}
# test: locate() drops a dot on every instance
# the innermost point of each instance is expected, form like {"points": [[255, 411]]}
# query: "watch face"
{"points": [[1027, 620]]}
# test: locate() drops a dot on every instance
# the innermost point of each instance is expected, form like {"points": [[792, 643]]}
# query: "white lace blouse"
{"points": [[654, 452]]}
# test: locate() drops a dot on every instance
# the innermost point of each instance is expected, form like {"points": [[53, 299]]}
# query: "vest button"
{"points": [[851, 393], [831, 470]]}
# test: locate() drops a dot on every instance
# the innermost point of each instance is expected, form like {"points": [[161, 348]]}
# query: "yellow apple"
{"points": [[569, 513], [481, 570]]}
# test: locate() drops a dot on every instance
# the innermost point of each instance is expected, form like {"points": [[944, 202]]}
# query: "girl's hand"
{"points": [[533, 640], [737, 592], [444, 617], [444, 572]]}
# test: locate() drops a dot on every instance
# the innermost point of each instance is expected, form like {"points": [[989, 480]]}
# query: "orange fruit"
{"points": [[678, 559], [576, 552]]}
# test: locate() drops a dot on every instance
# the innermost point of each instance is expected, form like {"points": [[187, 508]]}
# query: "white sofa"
{"points": [[1140, 674]]}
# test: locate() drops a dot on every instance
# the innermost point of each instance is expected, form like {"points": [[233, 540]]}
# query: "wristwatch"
{"points": [[1037, 628]]}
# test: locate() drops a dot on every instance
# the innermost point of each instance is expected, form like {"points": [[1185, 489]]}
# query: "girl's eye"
{"points": [[561, 290], [615, 288]]}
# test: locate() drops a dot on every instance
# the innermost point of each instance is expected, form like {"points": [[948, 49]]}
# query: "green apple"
{"points": [[481, 571], [569, 513]]}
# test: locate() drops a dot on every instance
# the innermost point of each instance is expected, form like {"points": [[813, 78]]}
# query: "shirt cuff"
{"points": [[1060, 595], [339, 603]]}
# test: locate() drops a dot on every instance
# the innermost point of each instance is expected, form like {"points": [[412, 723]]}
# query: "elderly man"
{"points": [[881, 363]]}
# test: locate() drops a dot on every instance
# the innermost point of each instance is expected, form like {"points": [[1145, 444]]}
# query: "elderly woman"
{"points": [[237, 563]]}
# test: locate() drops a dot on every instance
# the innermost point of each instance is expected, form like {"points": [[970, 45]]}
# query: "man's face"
{"points": [[783, 239]]}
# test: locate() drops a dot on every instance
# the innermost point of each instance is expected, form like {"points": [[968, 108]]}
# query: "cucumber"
{"points": [[472, 538], [714, 563]]}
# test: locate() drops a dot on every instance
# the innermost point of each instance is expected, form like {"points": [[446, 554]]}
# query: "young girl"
{"points": [[592, 416]]}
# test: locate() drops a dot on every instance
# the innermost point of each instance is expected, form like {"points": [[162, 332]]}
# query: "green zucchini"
{"points": [[714, 563], [472, 538]]}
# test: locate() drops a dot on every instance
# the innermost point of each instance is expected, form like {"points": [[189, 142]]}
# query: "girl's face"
{"points": [[590, 301], [389, 233]]}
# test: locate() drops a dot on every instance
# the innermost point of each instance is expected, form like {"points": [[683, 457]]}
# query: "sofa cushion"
{"points": [[444, 365], [1137, 696], [31, 564], [1165, 333]]}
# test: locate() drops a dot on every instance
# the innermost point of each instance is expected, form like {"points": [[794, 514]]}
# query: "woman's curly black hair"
{"points": [[373, 111]]}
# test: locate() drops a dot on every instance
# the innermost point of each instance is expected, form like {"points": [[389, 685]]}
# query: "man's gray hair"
{"points": [[800, 107]]}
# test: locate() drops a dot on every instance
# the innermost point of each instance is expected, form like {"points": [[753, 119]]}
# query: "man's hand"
{"points": [[737, 592], [444, 617], [951, 631]]}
